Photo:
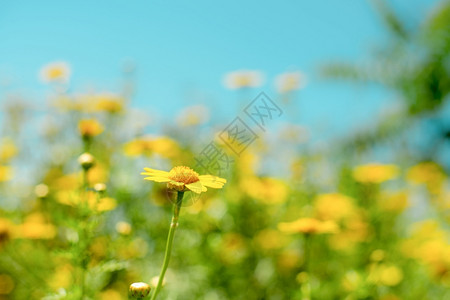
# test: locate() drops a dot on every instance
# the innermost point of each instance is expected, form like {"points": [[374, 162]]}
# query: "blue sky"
{"points": [[183, 49]]}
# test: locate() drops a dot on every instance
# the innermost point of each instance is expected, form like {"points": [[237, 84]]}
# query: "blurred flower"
{"points": [[333, 206], [429, 245], [107, 102], [290, 81], [269, 239], [86, 161], [55, 72], [243, 79], [383, 274], [294, 133], [354, 229], [162, 146], [6, 173], [123, 228], [110, 294], [352, 280], [6, 284], [62, 277], [95, 201], [377, 255], [288, 259], [308, 226], [428, 173], [394, 201], [183, 178], [36, 227], [154, 281], [41, 190], [375, 173], [267, 190], [193, 115], [8, 150], [89, 128]]}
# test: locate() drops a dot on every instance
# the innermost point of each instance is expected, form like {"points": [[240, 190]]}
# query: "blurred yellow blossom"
{"points": [[162, 146], [290, 81], [429, 244], [95, 202], [375, 173], [89, 128], [352, 280], [123, 228], [393, 201], [269, 239], [267, 190], [193, 115], [55, 72], [62, 277], [110, 294], [428, 173], [6, 173], [243, 79], [308, 226], [384, 274], [36, 226], [8, 150], [6, 284], [333, 206], [108, 102]]}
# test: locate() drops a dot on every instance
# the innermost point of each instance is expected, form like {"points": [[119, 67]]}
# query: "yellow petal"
{"points": [[153, 171], [196, 187], [157, 179], [212, 181]]}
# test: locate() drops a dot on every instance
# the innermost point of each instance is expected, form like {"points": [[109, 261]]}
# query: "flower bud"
{"points": [[139, 290], [86, 160], [100, 187], [41, 190]]}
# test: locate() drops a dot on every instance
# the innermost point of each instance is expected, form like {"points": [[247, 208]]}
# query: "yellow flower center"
{"points": [[183, 174]]}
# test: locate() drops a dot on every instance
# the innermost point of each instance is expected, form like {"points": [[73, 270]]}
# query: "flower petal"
{"points": [[196, 187], [212, 181], [157, 179]]}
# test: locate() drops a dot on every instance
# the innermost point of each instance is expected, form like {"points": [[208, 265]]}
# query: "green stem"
{"points": [[173, 226], [306, 287]]}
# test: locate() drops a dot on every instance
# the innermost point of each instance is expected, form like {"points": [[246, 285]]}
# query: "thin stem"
{"points": [[306, 287], [173, 226]]}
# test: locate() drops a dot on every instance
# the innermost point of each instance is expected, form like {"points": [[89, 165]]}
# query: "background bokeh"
{"points": [[344, 193]]}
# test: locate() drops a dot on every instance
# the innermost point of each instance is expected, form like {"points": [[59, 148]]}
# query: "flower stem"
{"points": [[173, 226]]}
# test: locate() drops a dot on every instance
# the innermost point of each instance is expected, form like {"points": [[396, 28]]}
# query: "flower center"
{"points": [[183, 174]]}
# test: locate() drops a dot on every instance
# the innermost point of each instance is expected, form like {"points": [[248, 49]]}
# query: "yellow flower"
{"points": [[428, 173], [394, 201], [163, 146], [7, 150], [243, 79], [89, 128], [308, 226], [55, 72], [267, 190], [182, 178], [383, 274], [375, 173], [291, 81], [333, 206], [6, 173]]}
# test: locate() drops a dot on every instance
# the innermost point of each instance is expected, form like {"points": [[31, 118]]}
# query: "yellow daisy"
{"points": [[183, 178]]}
